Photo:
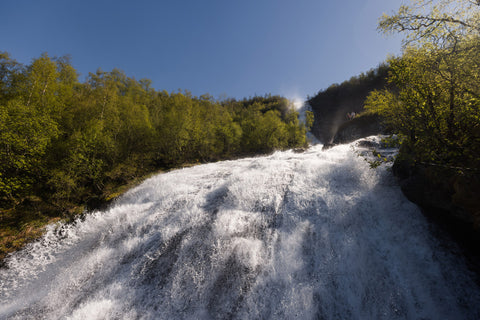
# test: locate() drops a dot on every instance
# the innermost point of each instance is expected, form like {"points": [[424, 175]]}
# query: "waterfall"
{"points": [[313, 235]]}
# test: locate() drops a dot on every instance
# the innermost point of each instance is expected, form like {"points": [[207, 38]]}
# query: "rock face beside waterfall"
{"points": [[359, 127], [331, 106], [447, 197]]}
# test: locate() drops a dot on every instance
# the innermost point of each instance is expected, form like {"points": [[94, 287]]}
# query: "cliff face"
{"points": [[448, 197], [331, 106], [359, 127], [331, 111]]}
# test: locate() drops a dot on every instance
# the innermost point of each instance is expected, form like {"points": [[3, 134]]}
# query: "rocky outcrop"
{"points": [[359, 127], [332, 105], [446, 196], [329, 117]]}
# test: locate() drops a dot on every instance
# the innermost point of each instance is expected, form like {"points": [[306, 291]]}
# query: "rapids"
{"points": [[312, 235]]}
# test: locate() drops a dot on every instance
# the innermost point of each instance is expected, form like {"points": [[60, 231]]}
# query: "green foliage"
{"points": [[10, 76], [377, 160], [434, 24], [25, 133], [392, 141], [309, 120], [67, 142], [268, 123], [437, 106]]}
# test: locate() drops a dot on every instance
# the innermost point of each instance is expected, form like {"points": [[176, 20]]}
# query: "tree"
{"points": [[435, 24], [437, 106], [25, 133], [309, 118], [41, 84], [10, 76]]}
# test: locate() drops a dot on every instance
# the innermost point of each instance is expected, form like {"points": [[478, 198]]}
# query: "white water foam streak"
{"points": [[316, 235]]}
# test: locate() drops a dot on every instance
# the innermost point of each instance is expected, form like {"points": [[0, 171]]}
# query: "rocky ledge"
{"points": [[448, 197], [361, 126]]}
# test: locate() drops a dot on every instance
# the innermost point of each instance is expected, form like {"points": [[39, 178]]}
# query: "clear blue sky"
{"points": [[237, 48]]}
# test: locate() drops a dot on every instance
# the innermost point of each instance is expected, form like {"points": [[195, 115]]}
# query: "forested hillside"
{"points": [[66, 144]]}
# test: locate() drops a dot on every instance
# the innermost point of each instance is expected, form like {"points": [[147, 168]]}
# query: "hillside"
{"points": [[67, 145], [331, 106]]}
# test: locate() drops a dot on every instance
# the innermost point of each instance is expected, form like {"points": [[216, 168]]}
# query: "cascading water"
{"points": [[316, 235]]}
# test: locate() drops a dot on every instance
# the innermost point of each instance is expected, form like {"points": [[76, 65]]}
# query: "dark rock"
{"points": [[442, 190], [448, 199], [366, 144], [299, 150], [327, 146], [402, 169], [419, 189], [359, 127], [331, 106]]}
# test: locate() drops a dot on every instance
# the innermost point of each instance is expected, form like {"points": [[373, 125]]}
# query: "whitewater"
{"points": [[312, 235]]}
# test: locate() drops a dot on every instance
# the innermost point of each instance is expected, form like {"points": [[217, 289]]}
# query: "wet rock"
{"points": [[299, 150], [367, 144], [327, 146], [360, 127], [447, 198]]}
